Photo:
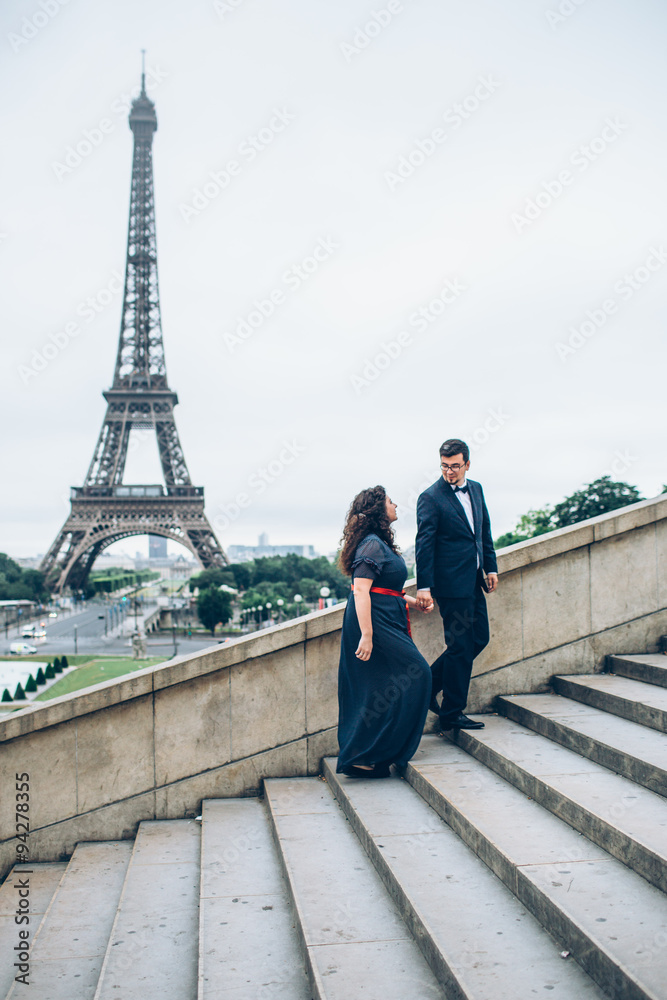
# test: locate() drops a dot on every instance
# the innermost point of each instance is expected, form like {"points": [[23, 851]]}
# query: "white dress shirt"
{"points": [[466, 503]]}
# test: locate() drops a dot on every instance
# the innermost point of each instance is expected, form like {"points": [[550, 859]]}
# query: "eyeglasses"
{"points": [[451, 468]]}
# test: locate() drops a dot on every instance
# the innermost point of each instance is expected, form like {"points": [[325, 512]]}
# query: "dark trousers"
{"points": [[466, 623]]}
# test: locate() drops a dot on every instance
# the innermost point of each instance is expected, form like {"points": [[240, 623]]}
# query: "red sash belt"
{"points": [[393, 593]]}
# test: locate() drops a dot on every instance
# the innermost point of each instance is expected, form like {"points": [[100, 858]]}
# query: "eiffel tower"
{"points": [[103, 509]]}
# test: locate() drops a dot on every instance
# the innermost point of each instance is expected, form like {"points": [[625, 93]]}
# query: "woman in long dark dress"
{"points": [[384, 683]]}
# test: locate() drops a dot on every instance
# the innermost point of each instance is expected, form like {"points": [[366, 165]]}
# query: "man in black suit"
{"points": [[456, 564]]}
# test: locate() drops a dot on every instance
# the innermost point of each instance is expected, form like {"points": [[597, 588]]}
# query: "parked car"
{"points": [[22, 648], [28, 631]]}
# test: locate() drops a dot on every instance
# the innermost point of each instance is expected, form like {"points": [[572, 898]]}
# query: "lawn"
{"points": [[93, 670]]}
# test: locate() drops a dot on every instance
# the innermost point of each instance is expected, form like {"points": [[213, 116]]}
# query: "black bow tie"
{"points": [[460, 489]]}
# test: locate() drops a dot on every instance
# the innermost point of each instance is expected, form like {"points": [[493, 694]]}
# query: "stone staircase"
{"points": [[524, 860]]}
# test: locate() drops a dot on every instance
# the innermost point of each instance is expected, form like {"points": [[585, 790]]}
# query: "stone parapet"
{"points": [[215, 723]]}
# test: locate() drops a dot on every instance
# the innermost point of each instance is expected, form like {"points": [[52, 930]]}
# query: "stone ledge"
{"points": [[38, 715]]}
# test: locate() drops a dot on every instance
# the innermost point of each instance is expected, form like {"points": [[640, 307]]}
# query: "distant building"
{"points": [[28, 562], [244, 553], [13, 611], [107, 560], [157, 547], [178, 567]]}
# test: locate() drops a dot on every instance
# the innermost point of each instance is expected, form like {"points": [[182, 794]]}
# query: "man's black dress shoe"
{"points": [[461, 722]]}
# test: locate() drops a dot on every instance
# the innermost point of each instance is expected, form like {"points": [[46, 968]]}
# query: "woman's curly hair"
{"points": [[367, 515]]}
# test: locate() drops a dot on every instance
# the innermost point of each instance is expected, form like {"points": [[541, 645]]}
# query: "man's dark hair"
{"points": [[453, 446]]}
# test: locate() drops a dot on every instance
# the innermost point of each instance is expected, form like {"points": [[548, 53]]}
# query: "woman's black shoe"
{"points": [[377, 771]]}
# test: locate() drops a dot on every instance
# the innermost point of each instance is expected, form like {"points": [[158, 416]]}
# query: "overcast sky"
{"points": [[485, 186]]}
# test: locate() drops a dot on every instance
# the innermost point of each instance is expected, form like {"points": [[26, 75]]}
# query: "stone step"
{"points": [[635, 700], [649, 667], [153, 946], [622, 746], [248, 946], [353, 937], [69, 947], [478, 938], [607, 917], [44, 880], [614, 812]]}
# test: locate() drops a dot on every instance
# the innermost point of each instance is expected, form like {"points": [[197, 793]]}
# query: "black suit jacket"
{"points": [[446, 549]]}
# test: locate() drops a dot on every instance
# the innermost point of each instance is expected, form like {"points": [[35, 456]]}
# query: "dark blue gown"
{"points": [[383, 701]]}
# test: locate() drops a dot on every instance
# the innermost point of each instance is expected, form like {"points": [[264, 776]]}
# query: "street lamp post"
{"points": [[324, 593], [280, 604], [76, 638], [268, 608], [297, 600]]}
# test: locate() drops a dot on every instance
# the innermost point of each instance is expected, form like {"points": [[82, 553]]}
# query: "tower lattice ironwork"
{"points": [[104, 509]]}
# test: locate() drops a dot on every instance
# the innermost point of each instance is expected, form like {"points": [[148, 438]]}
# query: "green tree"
{"points": [[599, 497], [57, 665], [535, 522], [63, 662], [19, 694], [243, 574], [6, 695], [214, 608], [31, 684], [18, 584], [209, 579], [309, 588], [49, 673], [40, 678]]}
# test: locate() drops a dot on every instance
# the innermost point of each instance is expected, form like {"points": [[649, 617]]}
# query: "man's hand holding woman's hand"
{"points": [[424, 601]]}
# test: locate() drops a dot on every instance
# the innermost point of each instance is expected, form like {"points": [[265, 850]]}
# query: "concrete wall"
{"points": [[154, 744]]}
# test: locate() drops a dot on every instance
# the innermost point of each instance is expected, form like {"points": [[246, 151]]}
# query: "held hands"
{"points": [[424, 601], [365, 647]]}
